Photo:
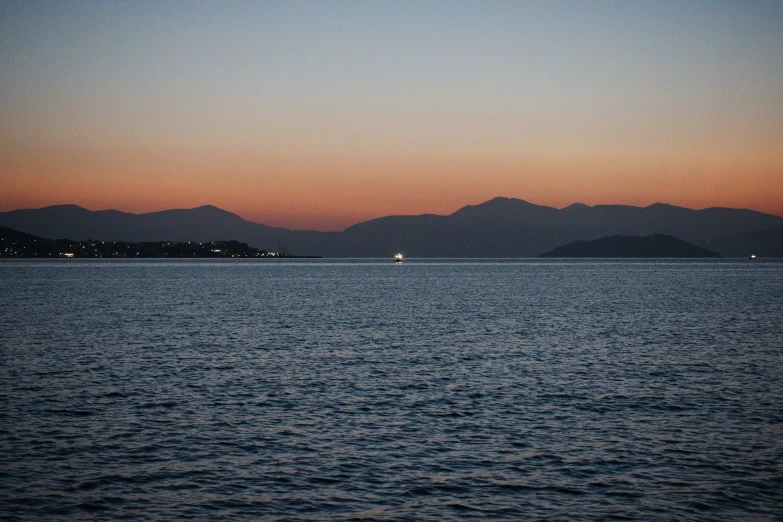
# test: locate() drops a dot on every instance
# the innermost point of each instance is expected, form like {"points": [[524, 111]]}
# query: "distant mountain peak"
{"points": [[501, 206], [204, 212], [64, 207], [500, 200], [663, 206], [212, 209], [67, 205]]}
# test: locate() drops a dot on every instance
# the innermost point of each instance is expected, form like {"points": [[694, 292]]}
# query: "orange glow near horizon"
{"points": [[328, 193]]}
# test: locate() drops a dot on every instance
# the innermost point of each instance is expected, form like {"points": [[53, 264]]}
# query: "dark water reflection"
{"points": [[374, 391]]}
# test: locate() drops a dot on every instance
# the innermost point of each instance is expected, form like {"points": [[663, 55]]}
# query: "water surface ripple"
{"points": [[516, 390]]}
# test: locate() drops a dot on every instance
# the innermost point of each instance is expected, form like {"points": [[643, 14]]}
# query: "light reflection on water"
{"points": [[433, 389]]}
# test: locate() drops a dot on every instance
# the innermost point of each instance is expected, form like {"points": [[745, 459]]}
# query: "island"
{"points": [[17, 244], [655, 245]]}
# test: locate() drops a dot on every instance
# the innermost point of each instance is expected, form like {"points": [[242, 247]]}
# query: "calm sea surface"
{"points": [[365, 390]]}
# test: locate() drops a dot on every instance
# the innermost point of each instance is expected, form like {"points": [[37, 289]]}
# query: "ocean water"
{"points": [[365, 390]]}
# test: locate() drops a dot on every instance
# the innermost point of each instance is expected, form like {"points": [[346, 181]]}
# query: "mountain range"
{"points": [[501, 227]]}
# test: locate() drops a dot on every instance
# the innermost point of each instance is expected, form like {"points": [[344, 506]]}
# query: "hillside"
{"points": [[655, 246]]}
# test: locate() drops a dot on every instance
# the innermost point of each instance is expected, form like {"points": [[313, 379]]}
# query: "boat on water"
{"points": [[398, 258], [752, 256]]}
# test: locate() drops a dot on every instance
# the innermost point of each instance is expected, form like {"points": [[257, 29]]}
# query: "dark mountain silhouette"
{"points": [[655, 245], [504, 227], [501, 227], [696, 226], [762, 243], [200, 224]]}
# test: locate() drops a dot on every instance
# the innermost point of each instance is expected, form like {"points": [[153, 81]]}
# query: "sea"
{"points": [[507, 389]]}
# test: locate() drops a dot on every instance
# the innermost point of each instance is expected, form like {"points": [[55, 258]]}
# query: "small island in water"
{"points": [[21, 244], [655, 245]]}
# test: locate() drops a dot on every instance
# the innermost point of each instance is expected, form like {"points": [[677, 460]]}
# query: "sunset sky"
{"points": [[322, 114]]}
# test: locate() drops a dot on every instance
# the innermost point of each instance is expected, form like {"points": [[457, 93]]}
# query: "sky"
{"points": [[318, 115]]}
